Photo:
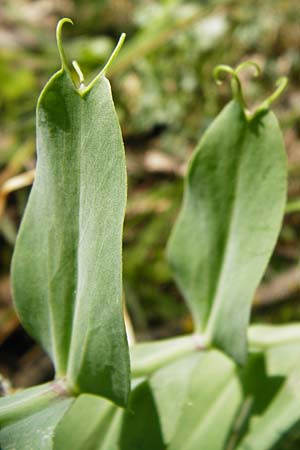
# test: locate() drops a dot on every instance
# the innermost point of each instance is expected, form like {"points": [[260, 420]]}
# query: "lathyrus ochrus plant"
{"points": [[225, 386]]}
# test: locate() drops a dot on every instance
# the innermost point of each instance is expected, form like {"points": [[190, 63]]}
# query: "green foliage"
{"points": [[210, 385], [276, 412], [72, 234], [185, 392], [35, 430], [97, 428], [235, 195], [183, 403]]}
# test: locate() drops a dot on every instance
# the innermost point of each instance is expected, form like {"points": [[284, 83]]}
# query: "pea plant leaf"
{"points": [[268, 430], [141, 428], [170, 387], [96, 429], [269, 426], [67, 264], [34, 430], [104, 426], [191, 394], [235, 193]]}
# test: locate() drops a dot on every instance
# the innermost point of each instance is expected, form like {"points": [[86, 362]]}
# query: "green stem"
{"points": [[17, 406], [262, 337], [146, 358]]}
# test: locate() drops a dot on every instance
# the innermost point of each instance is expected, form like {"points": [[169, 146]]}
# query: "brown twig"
{"points": [[12, 184], [281, 287]]}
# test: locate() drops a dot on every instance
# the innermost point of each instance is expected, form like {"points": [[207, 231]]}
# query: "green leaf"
{"points": [[213, 398], [141, 428], [271, 385], [235, 193], [170, 386], [36, 430], [268, 429], [67, 264], [92, 423]]}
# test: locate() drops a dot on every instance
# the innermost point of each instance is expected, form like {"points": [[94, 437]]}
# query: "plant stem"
{"points": [[262, 337], [17, 406], [148, 357]]}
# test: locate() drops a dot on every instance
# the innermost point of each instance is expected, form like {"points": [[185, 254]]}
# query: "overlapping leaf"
{"points": [[193, 401], [92, 423], [34, 430], [267, 428]]}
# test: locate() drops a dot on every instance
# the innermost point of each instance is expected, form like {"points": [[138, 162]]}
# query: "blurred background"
{"points": [[165, 97]]}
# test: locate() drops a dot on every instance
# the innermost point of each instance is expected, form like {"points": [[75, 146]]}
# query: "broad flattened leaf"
{"points": [[92, 423], [67, 264], [213, 398], [141, 429], [271, 388], [235, 192], [170, 387], [267, 430], [36, 430]]}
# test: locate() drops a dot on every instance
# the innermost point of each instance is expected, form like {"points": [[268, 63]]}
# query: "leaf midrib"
{"points": [[217, 297], [76, 297]]}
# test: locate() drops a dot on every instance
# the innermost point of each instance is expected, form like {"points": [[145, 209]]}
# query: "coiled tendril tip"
{"points": [[237, 89], [220, 69], [59, 40], [82, 88], [246, 65]]}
